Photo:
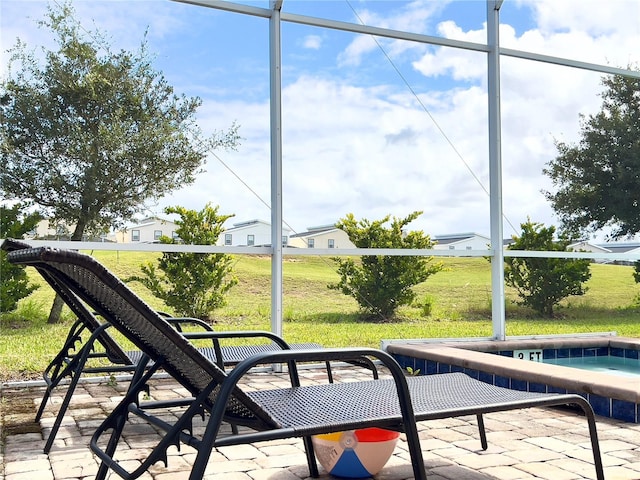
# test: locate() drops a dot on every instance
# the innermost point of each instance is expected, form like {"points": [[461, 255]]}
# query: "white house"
{"points": [[250, 233], [326, 236], [461, 241], [148, 230], [631, 247], [586, 246], [620, 247], [48, 230]]}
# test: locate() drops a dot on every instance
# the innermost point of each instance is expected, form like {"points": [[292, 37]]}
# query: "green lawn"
{"points": [[460, 300]]}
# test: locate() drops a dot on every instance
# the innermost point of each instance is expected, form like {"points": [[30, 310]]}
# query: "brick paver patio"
{"points": [[547, 444]]}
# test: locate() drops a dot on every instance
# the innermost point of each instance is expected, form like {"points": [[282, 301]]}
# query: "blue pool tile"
{"points": [[617, 352], [589, 352], [404, 361], [549, 354], [444, 368], [562, 353], [486, 377], [552, 389], [431, 368], [472, 373], [519, 384], [603, 352], [537, 387], [506, 353], [576, 352], [420, 365], [502, 381], [623, 410], [456, 368], [628, 353], [601, 405]]}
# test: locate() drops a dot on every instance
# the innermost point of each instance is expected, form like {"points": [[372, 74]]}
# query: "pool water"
{"points": [[626, 367]]}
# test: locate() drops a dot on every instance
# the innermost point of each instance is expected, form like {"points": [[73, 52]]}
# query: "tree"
{"points": [[15, 222], [193, 284], [91, 135], [597, 181], [542, 282], [382, 283]]}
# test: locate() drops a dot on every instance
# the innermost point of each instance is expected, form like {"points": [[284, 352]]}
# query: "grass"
{"points": [[453, 303]]}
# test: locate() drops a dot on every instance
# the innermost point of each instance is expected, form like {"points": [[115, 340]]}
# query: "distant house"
{"points": [[586, 246], [250, 233], [148, 230], [461, 241], [46, 230], [60, 231], [325, 236], [622, 247]]}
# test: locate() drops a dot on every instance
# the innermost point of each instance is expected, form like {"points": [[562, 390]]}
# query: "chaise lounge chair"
{"points": [[295, 411], [90, 349]]}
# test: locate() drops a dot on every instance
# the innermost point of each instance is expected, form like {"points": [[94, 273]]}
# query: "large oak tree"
{"points": [[597, 181], [91, 135]]}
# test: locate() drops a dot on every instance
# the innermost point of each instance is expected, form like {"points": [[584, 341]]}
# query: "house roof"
{"points": [[588, 245], [251, 223], [246, 223], [456, 237], [619, 247], [319, 228], [315, 231], [150, 221]]}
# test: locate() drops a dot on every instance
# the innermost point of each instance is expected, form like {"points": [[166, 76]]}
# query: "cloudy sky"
{"points": [[371, 127]]}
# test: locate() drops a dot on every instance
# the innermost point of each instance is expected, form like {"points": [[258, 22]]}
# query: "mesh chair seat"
{"points": [[309, 408]]}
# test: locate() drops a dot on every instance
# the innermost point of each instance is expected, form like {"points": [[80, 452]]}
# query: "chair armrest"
{"points": [[178, 322], [238, 334], [216, 336], [319, 355]]}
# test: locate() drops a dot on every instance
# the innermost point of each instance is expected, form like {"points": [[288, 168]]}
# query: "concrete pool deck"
{"points": [[551, 444], [494, 362]]}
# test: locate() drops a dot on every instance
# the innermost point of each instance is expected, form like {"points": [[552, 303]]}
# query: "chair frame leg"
{"points": [[483, 431], [118, 418], [73, 369], [58, 367], [74, 372]]}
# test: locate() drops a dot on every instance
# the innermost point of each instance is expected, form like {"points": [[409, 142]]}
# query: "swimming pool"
{"points": [[624, 367], [521, 364]]}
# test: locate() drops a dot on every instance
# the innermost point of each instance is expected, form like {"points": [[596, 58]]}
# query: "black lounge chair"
{"points": [[295, 411], [90, 349]]}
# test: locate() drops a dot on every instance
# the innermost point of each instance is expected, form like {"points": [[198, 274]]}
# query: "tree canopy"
{"points": [[382, 283], [91, 135], [15, 222], [598, 180], [192, 284], [541, 283]]}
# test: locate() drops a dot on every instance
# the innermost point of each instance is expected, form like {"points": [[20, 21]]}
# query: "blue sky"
{"points": [[356, 138]]}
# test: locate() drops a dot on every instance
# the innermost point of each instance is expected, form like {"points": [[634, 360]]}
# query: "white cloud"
{"points": [[415, 16], [313, 42], [589, 30], [594, 17], [338, 158]]}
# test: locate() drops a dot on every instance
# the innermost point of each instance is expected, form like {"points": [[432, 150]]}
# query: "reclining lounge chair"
{"points": [[79, 355], [295, 411]]}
